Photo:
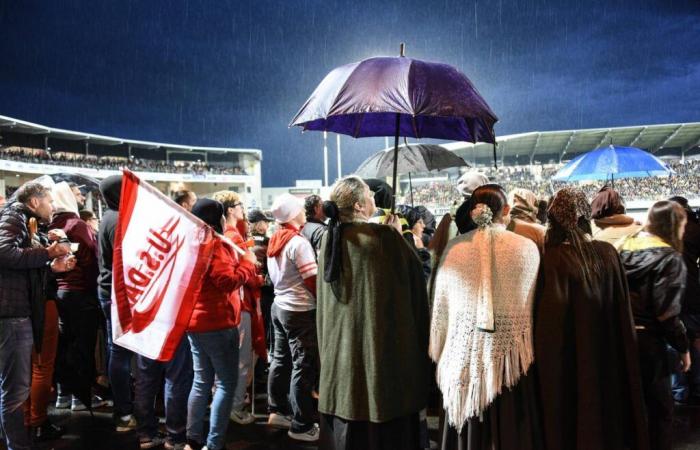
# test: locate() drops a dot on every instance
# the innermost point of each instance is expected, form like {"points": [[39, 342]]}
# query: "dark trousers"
{"points": [[78, 316], [118, 367], [656, 383], [178, 382], [16, 342], [686, 386], [294, 366]]}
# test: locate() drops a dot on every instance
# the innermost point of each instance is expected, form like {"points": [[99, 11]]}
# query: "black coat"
{"points": [[105, 248], [691, 299], [17, 258], [656, 278], [23, 270]]}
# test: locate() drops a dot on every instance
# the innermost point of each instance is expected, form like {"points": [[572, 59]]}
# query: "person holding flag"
{"points": [[175, 275], [213, 333]]}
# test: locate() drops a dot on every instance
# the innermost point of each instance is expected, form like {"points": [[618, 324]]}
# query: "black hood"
{"points": [[428, 218], [210, 211], [111, 189], [408, 213], [383, 193]]}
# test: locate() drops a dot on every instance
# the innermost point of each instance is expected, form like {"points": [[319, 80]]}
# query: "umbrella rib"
{"points": [[415, 127]]}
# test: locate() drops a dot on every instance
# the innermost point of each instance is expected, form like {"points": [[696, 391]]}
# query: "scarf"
{"points": [[481, 328], [279, 240], [568, 206], [524, 205]]}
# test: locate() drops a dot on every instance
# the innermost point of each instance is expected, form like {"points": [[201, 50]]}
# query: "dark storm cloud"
{"points": [[233, 73]]}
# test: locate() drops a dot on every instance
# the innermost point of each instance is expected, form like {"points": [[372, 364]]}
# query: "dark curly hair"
{"points": [[310, 204]]}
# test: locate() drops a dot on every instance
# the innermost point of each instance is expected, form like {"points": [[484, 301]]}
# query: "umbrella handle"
{"points": [[396, 160]]}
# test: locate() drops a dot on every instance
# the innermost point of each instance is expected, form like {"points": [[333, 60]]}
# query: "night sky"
{"points": [[234, 73]]}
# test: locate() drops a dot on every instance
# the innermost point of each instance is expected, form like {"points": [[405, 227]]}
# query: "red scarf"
{"points": [[279, 240]]}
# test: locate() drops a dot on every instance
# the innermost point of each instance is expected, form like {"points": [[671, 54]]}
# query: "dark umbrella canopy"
{"points": [[411, 158], [432, 100], [88, 182]]}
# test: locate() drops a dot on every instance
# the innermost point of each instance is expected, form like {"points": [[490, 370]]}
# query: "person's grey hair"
{"points": [[346, 192], [31, 190]]}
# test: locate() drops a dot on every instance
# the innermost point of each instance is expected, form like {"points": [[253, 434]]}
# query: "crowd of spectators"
{"points": [[41, 156], [538, 179]]}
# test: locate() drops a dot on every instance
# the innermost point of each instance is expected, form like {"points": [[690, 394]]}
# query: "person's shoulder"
{"points": [[605, 249], [519, 242], [299, 241], [12, 214], [530, 228]]}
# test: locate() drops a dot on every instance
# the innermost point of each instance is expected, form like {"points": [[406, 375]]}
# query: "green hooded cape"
{"points": [[373, 340]]}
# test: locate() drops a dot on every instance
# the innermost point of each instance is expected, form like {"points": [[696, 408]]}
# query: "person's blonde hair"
{"points": [[227, 198], [346, 192]]}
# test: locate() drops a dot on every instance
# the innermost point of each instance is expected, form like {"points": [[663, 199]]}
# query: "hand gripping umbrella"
{"points": [[398, 96]]}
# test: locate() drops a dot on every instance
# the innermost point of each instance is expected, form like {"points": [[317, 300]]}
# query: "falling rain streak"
{"points": [[233, 74]]}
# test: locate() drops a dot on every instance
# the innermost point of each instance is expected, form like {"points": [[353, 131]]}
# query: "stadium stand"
{"points": [[685, 182], [35, 155]]}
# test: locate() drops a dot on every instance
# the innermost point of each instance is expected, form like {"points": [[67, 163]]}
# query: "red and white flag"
{"points": [[161, 254]]}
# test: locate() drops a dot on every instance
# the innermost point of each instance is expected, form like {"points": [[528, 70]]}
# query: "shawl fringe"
{"points": [[472, 396]]}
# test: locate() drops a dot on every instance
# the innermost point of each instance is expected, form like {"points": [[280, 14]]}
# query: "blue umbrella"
{"points": [[612, 162], [398, 97]]}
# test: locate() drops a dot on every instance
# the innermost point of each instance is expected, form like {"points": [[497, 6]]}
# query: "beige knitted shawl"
{"points": [[486, 277]]}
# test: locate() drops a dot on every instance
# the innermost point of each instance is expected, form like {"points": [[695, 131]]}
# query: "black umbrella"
{"points": [[411, 158], [84, 181]]}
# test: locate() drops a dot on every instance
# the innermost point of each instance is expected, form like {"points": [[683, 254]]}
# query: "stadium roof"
{"points": [[526, 148], [12, 125]]}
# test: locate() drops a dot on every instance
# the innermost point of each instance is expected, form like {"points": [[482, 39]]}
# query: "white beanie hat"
{"points": [[286, 207], [469, 181]]}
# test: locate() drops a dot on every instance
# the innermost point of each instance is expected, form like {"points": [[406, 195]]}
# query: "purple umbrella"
{"points": [[398, 96]]}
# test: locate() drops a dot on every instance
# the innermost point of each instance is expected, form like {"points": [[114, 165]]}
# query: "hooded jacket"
{"points": [[614, 229], [84, 277], [656, 276], [110, 188]]}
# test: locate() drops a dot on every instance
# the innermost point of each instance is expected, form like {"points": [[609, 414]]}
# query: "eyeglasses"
{"points": [[238, 204]]}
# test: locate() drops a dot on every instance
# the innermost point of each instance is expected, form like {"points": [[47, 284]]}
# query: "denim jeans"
{"points": [[178, 381], [686, 386], [118, 367], [16, 342], [294, 367], [214, 353], [245, 360]]}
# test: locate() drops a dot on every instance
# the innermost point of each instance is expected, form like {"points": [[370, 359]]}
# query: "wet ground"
{"points": [[97, 433]]}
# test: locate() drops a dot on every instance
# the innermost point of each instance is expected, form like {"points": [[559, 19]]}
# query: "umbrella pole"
{"points": [[396, 160], [495, 158], [410, 187]]}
